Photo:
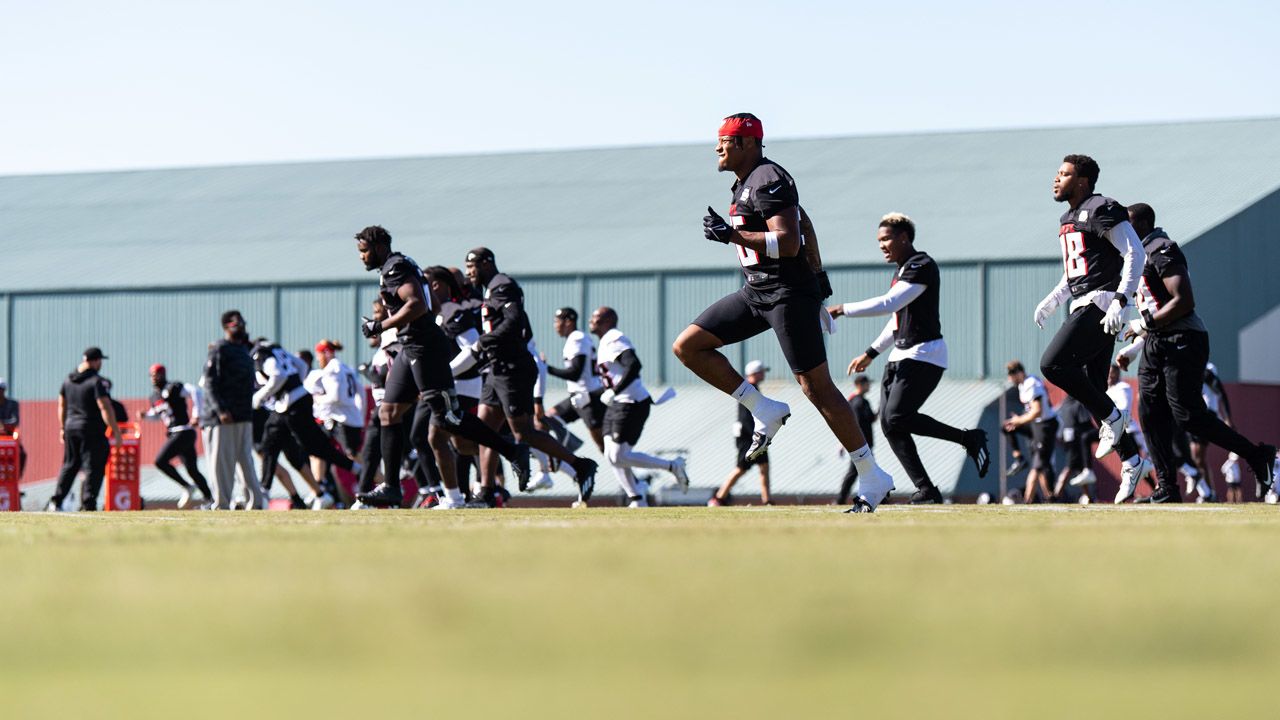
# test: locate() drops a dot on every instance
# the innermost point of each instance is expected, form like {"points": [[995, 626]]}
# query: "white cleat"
{"points": [[447, 503], [1082, 478], [1109, 433], [682, 474], [541, 481], [185, 498], [1203, 491], [773, 415], [321, 502], [639, 502], [1129, 477], [872, 491], [357, 505], [1272, 497]]}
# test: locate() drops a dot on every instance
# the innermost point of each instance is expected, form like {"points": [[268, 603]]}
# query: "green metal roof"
{"points": [[974, 195]]}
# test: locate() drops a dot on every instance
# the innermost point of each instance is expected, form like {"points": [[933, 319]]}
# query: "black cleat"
{"points": [[860, 506], [426, 499], [297, 503], [585, 469], [383, 496], [1019, 465], [1264, 466], [520, 463], [930, 495], [975, 443], [1164, 494]]}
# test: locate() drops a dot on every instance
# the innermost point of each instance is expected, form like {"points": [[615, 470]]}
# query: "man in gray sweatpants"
{"points": [[227, 415]]}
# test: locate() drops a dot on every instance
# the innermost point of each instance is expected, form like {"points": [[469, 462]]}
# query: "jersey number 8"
{"points": [[1073, 258]]}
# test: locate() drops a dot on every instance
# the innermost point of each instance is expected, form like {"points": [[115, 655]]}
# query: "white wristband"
{"points": [[771, 244], [847, 308]]}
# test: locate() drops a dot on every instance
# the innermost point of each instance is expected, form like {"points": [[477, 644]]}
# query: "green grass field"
{"points": [[957, 611]]}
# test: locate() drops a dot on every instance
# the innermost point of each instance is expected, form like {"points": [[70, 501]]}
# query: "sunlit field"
{"points": [[1062, 612]]}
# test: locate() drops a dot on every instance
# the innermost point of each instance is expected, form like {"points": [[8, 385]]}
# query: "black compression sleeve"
{"points": [[630, 370], [572, 371]]}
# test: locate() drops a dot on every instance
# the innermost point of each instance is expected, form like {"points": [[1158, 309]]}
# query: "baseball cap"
{"points": [[480, 254], [94, 353], [755, 366], [4, 384], [568, 313], [157, 369]]}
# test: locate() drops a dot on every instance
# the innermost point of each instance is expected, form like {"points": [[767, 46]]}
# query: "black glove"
{"points": [[715, 227], [370, 328], [824, 285]]}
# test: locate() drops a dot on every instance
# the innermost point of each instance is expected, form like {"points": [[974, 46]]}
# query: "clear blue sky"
{"points": [[129, 84]]}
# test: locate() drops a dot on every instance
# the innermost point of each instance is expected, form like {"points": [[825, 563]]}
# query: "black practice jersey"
{"points": [[169, 403], [505, 331], [1089, 259], [768, 191], [919, 321], [399, 270], [1164, 259]]}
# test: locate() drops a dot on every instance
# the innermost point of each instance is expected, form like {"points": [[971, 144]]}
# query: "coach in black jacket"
{"points": [[227, 416]]}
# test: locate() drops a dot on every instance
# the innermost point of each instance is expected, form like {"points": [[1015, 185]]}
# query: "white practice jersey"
{"points": [[1122, 395], [1029, 390], [612, 346], [379, 364], [579, 343], [469, 387], [338, 392]]}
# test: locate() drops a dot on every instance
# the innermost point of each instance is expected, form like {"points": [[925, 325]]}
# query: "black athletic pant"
{"points": [[182, 445], [426, 472], [302, 421], [1169, 383], [1078, 360], [370, 454], [906, 386], [82, 450]]}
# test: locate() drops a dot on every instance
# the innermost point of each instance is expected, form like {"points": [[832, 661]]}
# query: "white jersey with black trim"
{"points": [[612, 346], [338, 393], [1031, 389], [539, 385], [579, 343]]}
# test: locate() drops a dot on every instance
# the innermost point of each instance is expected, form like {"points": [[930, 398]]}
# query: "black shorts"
{"points": [[743, 462], [1044, 438], [591, 415], [277, 439], [624, 421], [794, 319], [469, 405], [417, 370], [348, 437], [510, 386]]}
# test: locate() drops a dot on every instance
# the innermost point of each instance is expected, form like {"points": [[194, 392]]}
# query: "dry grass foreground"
{"points": [[976, 612]]}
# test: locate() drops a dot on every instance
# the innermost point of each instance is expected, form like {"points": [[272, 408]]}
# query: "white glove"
{"points": [[1114, 319], [827, 322], [607, 396], [1044, 310], [1138, 326]]}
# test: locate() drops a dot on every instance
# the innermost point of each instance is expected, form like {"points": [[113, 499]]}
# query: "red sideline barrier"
{"points": [[122, 488], [10, 496]]}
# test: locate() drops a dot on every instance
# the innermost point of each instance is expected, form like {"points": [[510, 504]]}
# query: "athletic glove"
{"points": [[370, 328], [606, 397], [824, 285], [715, 227], [1138, 326], [1044, 310], [1114, 319]]}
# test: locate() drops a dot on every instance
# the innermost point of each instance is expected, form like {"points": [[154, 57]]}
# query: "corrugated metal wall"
{"points": [[137, 328]]}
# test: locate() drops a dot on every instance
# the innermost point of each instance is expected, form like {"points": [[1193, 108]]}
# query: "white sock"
{"points": [[863, 460], [540, 459], [455, 495], [626, 480], [567, 469], [748, 395]]}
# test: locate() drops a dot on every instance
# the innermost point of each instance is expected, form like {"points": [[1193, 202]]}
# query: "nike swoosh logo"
{"points": [[1179, 347], [774, 190], [413, 361]]}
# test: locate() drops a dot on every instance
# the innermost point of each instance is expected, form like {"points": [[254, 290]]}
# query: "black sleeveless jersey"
{"points": [[170, 403], [1164, 259], [919, 321], [1089, 259], [397, 271], [767, 191]]}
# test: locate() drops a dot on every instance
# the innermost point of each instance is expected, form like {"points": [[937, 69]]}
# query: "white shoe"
{"points": [[772, 415], [1084, 499], [1084, 477], [185, 498], [447, 503], [1129, 477], [682, 474], [874, 489], [357, 505], [639, 502], [579, 504], [1272, 497], [1109, 433], [541, 481]]}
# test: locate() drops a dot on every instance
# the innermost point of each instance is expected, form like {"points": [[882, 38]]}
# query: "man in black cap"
{"points": [[84, 414]]}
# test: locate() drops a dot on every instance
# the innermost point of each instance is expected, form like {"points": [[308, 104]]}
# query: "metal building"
{"points": [[142, 263]]}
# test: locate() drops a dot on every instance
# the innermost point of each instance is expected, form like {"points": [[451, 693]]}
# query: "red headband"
{"points": [[741, 127]]}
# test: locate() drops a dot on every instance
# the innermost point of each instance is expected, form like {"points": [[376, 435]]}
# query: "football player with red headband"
{"points": [[784, 290]]}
